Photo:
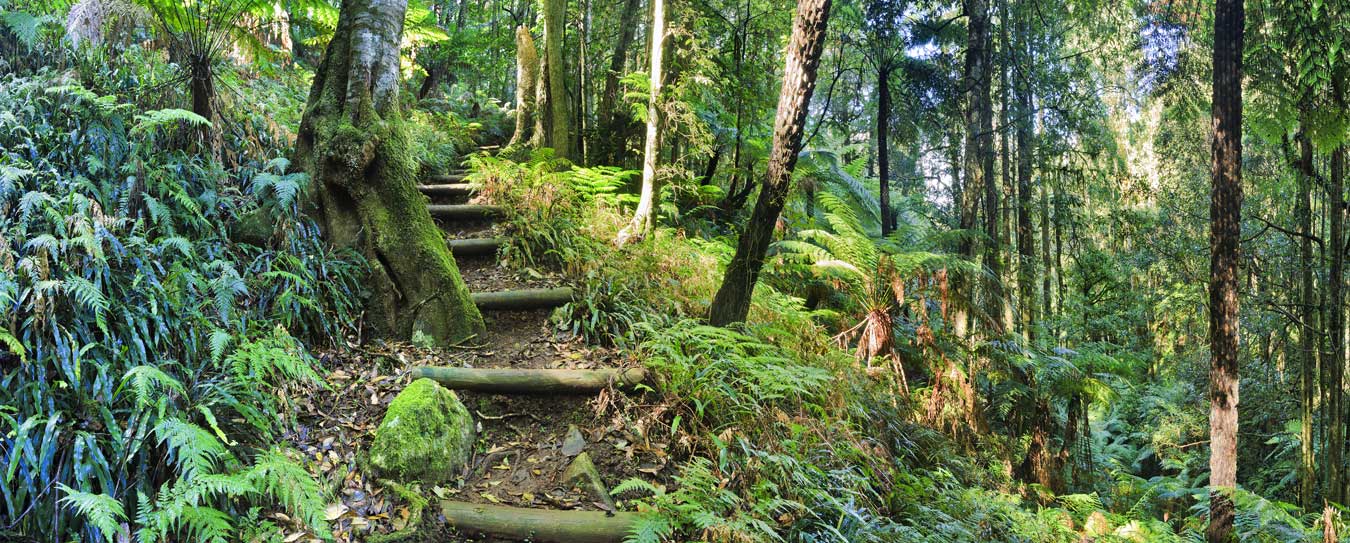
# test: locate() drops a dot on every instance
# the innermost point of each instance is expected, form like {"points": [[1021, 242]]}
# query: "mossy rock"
{"points": [[427, 435]]}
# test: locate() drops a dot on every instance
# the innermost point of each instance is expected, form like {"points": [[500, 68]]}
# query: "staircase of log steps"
{"points": [[448, 195]]}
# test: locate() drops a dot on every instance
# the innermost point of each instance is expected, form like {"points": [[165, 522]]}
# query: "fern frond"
{"points": [[100, 510]]}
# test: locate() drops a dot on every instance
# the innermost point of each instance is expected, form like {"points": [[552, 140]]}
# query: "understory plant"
{"points": [[140, 345]]}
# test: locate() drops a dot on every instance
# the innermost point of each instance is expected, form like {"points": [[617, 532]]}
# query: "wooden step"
{"points": [[462, 212], [476, 246], [530, 381], [530, 298], [539, 524], [455, 177], [448, 190]]}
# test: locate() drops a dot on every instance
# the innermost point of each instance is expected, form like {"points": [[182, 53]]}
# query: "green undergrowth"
{"points": [[142, 346], [783, 433]]}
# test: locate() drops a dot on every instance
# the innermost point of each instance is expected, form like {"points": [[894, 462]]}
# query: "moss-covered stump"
{"points": [[427, 435]]}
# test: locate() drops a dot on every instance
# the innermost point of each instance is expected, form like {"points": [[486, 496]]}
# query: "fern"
{"points": [[102, 511], [154, 120], [194, 451], [148, 382]]}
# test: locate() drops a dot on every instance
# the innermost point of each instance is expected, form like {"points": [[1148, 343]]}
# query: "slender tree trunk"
{"points": [[1308, 328], [527, 82], [732, 302], [641, 224], [1026, 248], [606, 115], [1336, 327], [883, 150], [1225, 233], [354, 145], [976, 82], [555, 80], [1005, 160]]}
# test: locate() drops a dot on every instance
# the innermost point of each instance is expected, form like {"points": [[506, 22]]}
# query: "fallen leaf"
{"points": [[335, 511]]}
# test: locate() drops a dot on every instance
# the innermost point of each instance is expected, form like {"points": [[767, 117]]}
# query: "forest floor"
{"points": [[522, 448]]}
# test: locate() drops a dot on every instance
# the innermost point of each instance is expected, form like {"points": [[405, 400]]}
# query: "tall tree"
{"points": [[354, 144], [732, 302], [1225, 214], [642, 216], [610, 145], [884, 48], [979, 133], [527, 82], [553, 106], [1026, 249]]}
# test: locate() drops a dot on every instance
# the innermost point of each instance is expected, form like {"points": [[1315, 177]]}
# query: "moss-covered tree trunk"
{"points": [[354, 145], [527, 79], [553, 87]]}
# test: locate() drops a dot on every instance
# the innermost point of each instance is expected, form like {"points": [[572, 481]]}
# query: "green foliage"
{"points": [[149, 341]]}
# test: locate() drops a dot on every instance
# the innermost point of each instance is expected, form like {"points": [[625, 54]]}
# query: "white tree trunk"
{"points": [[642, 218]]}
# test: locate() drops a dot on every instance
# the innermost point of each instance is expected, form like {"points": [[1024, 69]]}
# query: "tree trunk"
{"points": [[555, 22], [1225, 233], [641, 224], [1335, 332], [1026, 249], [527, 83], [976, 82], [732, 302], [1308, 328], [883, 150], [354, 145], [609, 149]]}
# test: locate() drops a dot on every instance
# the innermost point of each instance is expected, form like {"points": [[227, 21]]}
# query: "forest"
{"points": [[742, 271]]}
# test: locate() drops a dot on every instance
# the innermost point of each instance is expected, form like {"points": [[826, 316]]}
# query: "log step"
{"points": [[457, 177], [447, 190], [476, 246], [530, 298], [539, 524], [530, 381], [464, 211]]}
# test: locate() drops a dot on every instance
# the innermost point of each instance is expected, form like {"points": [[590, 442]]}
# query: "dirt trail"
{"points": [[519, 458]]}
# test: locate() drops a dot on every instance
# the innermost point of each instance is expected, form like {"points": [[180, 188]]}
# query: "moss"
{"points": [[427, 435]]}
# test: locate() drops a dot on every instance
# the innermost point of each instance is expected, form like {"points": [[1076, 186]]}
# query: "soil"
{"points": [[519, 459]]}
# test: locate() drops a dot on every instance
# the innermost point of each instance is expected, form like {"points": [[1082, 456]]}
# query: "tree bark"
{"points": [[1335, 332], [1308, 328], [1026, 249], [527, 85], [606, 115], [732, 302], [1225, 233], [555, 22], [883, 150], [976, 82], [641, 224], [354, 145]]}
